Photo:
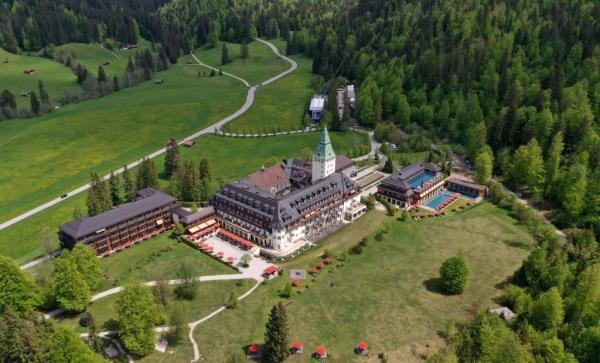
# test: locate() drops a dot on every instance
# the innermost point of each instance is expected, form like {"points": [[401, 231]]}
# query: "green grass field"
{"points": [[279, 105], [56, 77], [229, 158], [260, 66], [157, 258], [388, 295], [211, 295], [92, 56], [50, 155]]}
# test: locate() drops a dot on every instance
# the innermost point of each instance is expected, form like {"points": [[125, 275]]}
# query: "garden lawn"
{"points": [[157, 258], [259, 67], [55, 76], [280, 106], [211, 295], [45, 157], [388, 295], [229, 158]]}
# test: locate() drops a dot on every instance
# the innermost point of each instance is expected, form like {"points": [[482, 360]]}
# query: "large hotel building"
{"points": [[279, 209]]}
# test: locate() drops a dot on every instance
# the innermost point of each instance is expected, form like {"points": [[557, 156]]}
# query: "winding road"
{"points": [[208, 130]]}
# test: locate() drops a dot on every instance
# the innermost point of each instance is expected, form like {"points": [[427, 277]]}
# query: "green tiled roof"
{"points": [[324, 149]]}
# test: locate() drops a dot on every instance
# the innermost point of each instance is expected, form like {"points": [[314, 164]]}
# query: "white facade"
{"points": [[321, 169]]}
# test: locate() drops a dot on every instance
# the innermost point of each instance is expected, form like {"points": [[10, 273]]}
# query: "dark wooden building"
{"points": [[149, 214]]}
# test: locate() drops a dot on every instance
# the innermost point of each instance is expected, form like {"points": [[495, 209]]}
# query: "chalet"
{"points": [[415, 184], [199, 224], [189, 143], [149, 214], [282, 207], [158, 81], [26, 93], [317, 107], [105, 63], [29, 71]]}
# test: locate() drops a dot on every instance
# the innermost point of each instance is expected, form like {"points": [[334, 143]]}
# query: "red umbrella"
{"points": [[220, 254], [362, 345], [321, 351], [313, 269], [254, 348], [322, 264], [297, 344]]}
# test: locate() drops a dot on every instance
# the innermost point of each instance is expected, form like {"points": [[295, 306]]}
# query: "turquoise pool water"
{"points": [[435, 202], [422, 178]]}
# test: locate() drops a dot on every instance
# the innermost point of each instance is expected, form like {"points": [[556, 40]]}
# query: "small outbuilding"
{"points": [[297, 347], [270, 271], [254, 351], [317, 107], [29, 71], [320, 352], [105, 63], [328, 260], [362, 348], [504, 313], [189, 143], [158, 81]]}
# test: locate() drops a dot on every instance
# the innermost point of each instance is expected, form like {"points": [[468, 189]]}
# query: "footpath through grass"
{"points": [[56, 77], [53, 154], [280, 105], [388, 295], [229, 158], [260, 66]]}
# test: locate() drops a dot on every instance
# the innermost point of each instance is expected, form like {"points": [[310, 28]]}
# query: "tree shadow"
{"points": [[435, 285], [111, 325], [517, 244]]}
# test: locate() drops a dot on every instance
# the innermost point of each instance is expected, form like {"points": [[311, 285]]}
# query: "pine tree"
{"points": [[115, 189], [43, 94], [128, 185], [224, 55], [35, 103], [82, 74], [276, 348], [7, 100], [147, 176], [244, 50], [101, 74], [171, 158], [116, 87], [130, 66], [388, 167], [233, 301], [93, 207], [204, 169]]}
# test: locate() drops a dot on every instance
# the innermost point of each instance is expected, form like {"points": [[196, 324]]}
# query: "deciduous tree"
{"points": [[17, 291]]}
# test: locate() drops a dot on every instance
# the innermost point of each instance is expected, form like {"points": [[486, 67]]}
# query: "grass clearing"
{"points": [[280, 105], [50, 155], [93, 55], [229, 158], [157, 258], [391, 284], [56, 77], [260, 66], [210, 296]]}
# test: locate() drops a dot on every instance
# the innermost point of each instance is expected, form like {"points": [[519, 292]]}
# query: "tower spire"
{"points": [[323, 162]]}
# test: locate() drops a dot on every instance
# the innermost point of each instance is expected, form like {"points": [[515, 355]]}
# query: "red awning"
{"points": [[328, 259], [322, 264], [254, 348], [271, 270], [313, 269], [321, 350], [297, 345], [362, 345]]}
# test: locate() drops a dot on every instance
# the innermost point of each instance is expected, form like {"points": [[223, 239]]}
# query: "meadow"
{"points": [[229, 158], [388, 295], [50, 155], [157, 258], [261, 65], [55, 76], [279, 105]]}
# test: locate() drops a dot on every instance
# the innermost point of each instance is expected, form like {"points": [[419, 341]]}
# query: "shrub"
{"points": [[363, 242], [379, 236], [356, 250], [454, 275], [86, 320]]}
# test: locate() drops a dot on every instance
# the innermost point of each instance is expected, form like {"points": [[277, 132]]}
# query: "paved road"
{"points": [[208, 130]]}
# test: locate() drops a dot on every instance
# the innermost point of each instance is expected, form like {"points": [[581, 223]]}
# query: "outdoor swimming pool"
{"points": [[435, 202], [422, 178]]}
